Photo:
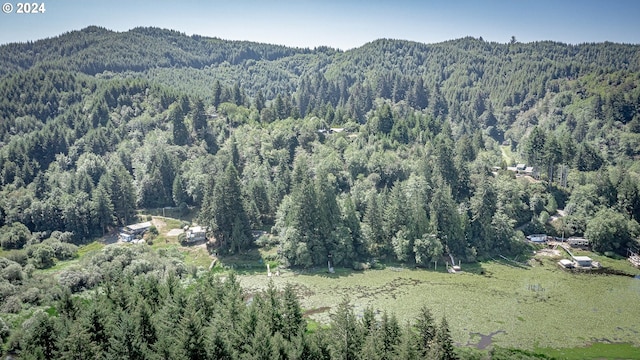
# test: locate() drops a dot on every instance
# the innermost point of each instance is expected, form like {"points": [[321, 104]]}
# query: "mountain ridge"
{"points": [[198, 51]]}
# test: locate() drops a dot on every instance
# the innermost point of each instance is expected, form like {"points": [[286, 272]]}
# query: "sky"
{"points": [[340, 24]]}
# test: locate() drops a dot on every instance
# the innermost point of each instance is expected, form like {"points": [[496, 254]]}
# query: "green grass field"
{"points": [[507, 155], [539, 307]]}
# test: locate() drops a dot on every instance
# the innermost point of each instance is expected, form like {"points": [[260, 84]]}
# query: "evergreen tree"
{"points": [[218, 347], [259, 101], [426, 331], [192, 337], [292, 322], [345, 333], [146, 328], [224, 212], [418, 95], [395, 225], [217, 93], [534, 147], [123, 343], [102, 209], [198, 118], [176, 118], [119, 185], [95, 322], [390, 331], [40, 340], [408, 348], [444, 349], [178, 193], [445, 221], [77, 345], [482, 206], [373, 233], [238, 97]]}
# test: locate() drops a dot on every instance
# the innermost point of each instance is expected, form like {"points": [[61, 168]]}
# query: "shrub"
{"points": [[14, 236], [31, 296], [359, 266], [153, 230], [6, 290], [12, 305], [41, 255], [74, 280], [13, 273], [182, 238], [62, 250], [19, 256]]}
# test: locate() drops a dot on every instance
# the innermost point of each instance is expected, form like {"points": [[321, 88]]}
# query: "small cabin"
{"points": [[537, 238], [138, 229], [196, 233], [578, 242], [130, 232], [582, 261]]}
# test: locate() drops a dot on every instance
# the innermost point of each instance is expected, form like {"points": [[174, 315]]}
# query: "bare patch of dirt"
{"points": [[548, 252], [159, 224], [175, 232], [319, 310]]}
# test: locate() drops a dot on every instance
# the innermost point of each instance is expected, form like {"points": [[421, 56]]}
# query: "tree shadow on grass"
{"points": [[248, 262]]}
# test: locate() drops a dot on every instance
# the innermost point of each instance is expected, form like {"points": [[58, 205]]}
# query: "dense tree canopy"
{"points": [[393, 151]]}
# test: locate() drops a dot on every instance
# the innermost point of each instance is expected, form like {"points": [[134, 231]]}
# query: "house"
{"points": [[123, 236], [257, 233], [332, 131], [578, 242], [196, 233], [130, 232], [523, 169], [530, 171], [537, 238], [582, 261], [138, 229]]}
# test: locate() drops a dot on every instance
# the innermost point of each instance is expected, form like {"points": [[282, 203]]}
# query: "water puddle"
{"points": [[485, 340]]}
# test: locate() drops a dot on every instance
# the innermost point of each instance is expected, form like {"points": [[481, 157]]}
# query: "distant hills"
{"points": [[475, 83]]}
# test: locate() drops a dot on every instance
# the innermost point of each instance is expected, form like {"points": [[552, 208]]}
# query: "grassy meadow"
{"points": [[537, 307]]}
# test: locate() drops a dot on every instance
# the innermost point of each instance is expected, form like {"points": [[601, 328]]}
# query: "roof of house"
{"points": [[582, 258], [197, 229], [139, 226], [537, 237]]}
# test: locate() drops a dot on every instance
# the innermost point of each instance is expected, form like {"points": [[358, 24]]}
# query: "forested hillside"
{"points": [[394, 151], [96, 124]]}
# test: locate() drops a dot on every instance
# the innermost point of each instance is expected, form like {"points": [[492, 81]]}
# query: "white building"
{"points": [[582, 261], [196, 233]]}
